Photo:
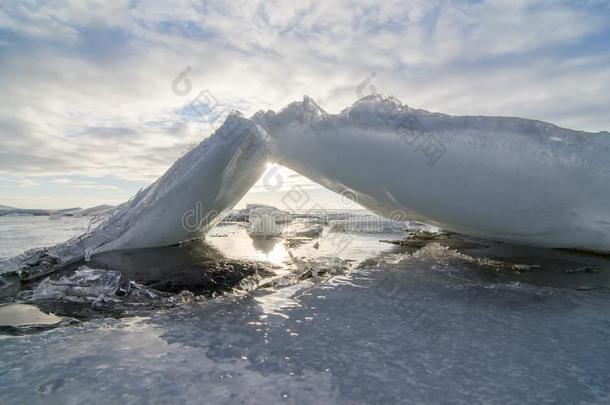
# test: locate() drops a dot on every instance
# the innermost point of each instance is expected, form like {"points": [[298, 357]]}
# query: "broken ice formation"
{"points": [[243, 215], [504, 179], [83, 286], [101, 290], [324, 266], [263, 222]]}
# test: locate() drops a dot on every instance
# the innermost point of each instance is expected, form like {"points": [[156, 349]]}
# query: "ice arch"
{"points": [[504, 179]]}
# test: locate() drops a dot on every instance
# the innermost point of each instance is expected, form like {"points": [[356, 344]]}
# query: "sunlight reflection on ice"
{"points": [[266, 249]]}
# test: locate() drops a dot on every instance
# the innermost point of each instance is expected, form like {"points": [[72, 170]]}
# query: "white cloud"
{"points": [[25, 183], [87, 87]]}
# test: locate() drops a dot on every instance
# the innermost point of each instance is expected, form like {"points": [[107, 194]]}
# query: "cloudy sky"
{"points": [[89, 114]]}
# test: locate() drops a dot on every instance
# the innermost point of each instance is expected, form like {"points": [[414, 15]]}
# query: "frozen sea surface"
{"points": [[474, 322], [20, 233]]}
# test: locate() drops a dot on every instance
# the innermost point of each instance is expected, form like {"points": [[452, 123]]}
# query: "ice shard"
{"points": [[182, 205]]}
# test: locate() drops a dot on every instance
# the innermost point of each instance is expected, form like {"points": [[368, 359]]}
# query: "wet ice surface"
{"points": [[490, 323], [23, 314]]}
